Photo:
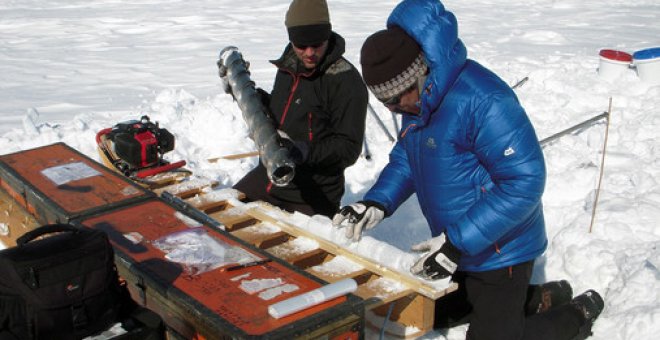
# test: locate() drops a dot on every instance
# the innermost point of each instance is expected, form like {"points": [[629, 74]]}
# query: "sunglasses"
{"points": [[304, 47], [394, 100]]}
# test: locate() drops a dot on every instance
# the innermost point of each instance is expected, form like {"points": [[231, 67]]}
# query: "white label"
{"points": [[66, 173], [134, 237]]}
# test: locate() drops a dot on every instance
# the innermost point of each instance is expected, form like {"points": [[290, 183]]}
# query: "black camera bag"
{"points": [[63, 286]]}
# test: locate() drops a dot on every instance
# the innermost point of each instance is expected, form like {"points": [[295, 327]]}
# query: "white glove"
{"points": [[359, 215], [440, 261]]}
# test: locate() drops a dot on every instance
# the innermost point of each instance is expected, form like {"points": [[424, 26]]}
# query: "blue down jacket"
{"points": [[471, 156]]}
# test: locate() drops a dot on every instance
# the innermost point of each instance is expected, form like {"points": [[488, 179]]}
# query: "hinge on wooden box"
{"points": [[142, 290]]}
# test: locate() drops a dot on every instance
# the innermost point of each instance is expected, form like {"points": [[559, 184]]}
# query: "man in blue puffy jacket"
{"points": [[469, 152]]}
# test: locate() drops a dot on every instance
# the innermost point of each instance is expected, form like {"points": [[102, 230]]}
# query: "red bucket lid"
{"points": [[616, 55]]}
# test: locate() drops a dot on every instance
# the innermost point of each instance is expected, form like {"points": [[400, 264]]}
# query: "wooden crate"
{"points": [[412, 300]]}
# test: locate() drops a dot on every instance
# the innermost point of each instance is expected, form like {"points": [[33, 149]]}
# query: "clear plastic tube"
{"points": [[312, 298]]}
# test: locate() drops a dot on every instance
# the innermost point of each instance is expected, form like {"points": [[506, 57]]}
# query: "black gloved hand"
{"points": [[298, 150], [440, 262], [264, 97]]}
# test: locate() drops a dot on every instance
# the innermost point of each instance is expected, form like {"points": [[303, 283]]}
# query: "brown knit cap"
{"points": [[391, 62], [308, 22]]}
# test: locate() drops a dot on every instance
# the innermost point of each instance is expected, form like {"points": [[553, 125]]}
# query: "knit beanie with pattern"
{"points": [[392, 61], [308, 22]]}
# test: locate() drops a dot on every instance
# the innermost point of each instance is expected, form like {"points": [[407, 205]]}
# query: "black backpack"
{"points": [[64, 286]]}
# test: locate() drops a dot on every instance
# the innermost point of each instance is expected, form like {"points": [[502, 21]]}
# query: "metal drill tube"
{"points": [[276, 159]]}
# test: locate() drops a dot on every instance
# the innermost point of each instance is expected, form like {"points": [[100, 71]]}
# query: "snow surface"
{"points": [[69, 68]]}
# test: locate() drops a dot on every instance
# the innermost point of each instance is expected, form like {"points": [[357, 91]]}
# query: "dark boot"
{"points": [[589, 305], [541, 298]]}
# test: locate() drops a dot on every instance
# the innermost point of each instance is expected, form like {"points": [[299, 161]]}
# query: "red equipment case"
{"points": [[56, 183], [212, 304]]}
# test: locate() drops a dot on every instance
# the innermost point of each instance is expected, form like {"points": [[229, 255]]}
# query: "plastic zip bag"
{"points": [[198, 252]]}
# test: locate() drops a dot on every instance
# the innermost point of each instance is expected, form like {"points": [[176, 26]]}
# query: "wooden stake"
{"points": [[234, 156], [602, 168]]}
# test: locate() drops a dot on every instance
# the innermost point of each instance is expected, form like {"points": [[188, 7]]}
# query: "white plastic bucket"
{"points": [[647, 63], [613, 63]]}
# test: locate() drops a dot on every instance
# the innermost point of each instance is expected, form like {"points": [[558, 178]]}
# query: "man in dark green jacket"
{"points": [[319, 103]]}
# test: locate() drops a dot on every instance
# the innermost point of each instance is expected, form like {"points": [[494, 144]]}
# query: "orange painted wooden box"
{"points": [[216, 303], [56, 183]]}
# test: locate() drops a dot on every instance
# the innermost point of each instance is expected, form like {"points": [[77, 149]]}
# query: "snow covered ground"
{"points": [[69, 68]]}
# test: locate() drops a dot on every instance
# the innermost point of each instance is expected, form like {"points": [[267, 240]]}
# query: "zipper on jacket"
{"points": [[309, 125], [296, 81], [32, 280], [288, 102], [403, 134]]}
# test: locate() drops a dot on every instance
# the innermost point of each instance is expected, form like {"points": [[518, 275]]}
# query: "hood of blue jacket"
{"points": [[436, 30]]}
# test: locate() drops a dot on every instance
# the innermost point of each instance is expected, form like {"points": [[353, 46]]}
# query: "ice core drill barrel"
{"points": [[233, 70]]}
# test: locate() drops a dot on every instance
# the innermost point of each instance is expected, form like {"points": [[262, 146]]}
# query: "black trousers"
{"points": [[493, 302], [254, 185]]}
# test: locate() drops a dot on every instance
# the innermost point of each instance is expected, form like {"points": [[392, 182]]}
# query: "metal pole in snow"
{"points": [[395, 121], [520, 83], [574, 128], [552, 138], [380, 122], [367, 153]]}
